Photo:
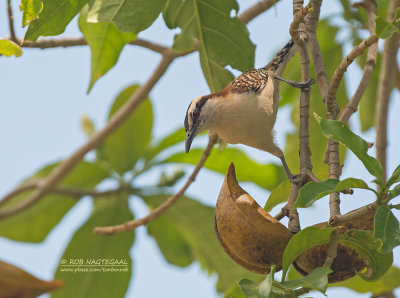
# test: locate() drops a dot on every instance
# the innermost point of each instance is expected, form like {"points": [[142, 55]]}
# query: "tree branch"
{"points": [[351, 107], [305, 152], [253, 11], [385, 89], [357, 213], [130, 225], [115, 121], [11, 22], [168, 55], [81, 41]]}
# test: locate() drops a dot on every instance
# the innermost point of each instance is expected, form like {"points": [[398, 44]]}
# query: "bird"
{"points": [[244, 112]]}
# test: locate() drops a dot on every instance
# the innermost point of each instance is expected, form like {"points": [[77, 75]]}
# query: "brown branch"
{"points": [[305, 152], [130, 225], [397, 76], [313, 44], [81, 41], [351, 107], [385, 82], [115, 121], [61, 190], [11, 22], [45, 185], [258, 8], [357, 213]]}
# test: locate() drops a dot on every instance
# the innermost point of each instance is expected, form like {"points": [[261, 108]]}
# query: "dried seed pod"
{"points": [[347, 261], [246, 232]]}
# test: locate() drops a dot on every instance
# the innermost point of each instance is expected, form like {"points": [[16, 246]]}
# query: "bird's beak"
{"points": [[189, 137]]}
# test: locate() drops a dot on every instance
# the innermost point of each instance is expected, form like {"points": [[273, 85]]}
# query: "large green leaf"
{"points": [[54, 18], [278, 195], [131, 140], [363, 242], [302, 241], [386, 228], [34, 223], [332, 53], [338, 131], [101, 279], [394, 192], [106, 43], [389, 282], [30, 10], [9, 48], [129, 15], [224, 40], [394, 178], [266, 175], [385, 29], [185, 232], [313, 191]]}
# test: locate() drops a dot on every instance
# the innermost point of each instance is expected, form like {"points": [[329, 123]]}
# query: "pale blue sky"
{"points": [[43, 95]]}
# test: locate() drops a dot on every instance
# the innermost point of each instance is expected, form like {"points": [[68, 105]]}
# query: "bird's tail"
{"points": [[282, 57]]}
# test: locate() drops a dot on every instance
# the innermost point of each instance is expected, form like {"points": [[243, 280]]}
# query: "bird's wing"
{"points": [[251, 81]]}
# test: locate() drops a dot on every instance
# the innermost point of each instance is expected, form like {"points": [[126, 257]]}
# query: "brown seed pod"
{"points": [[246, 232]]}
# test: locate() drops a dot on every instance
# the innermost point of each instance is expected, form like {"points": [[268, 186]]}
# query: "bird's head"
{"points": [[198, 118]]}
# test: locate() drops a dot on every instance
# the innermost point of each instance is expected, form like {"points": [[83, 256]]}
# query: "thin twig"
{"points": [[341, 69], [351, 107], [253, 11], [130, 225], [11, 22], [385, 89], [61, 190], [81, 41]]}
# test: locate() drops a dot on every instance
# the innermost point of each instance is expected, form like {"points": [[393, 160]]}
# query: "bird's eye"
{"points": [[196, 114]]}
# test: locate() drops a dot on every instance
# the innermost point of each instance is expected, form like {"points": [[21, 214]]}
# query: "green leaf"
{"points": [[9, 48], [131, 140], [338, 131], [266, 175], [235, 292], [367, 249], [386, 228], [313, 191], [106, 43], [278, 195], [224, 40], [129, 15], [170, 140], [383, 28], [302, 241], [394, 192], [35, 223], [259, 290], [185, 232], [389, 282], [54, 18], [317, 280], [92, 248], [394, 178], [396, 14], [331, 48], [30, 10]]}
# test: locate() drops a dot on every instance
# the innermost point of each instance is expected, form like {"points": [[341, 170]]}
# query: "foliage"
{"points": [[184, 233]]}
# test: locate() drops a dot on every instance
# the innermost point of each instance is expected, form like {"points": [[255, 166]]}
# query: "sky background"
{"points": [[43, 96]]}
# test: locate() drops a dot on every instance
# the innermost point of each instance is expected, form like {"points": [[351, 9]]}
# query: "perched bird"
{"points": [[244, 112]]}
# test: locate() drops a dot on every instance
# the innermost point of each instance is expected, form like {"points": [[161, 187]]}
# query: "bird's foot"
{"points": [[301, 85]]}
